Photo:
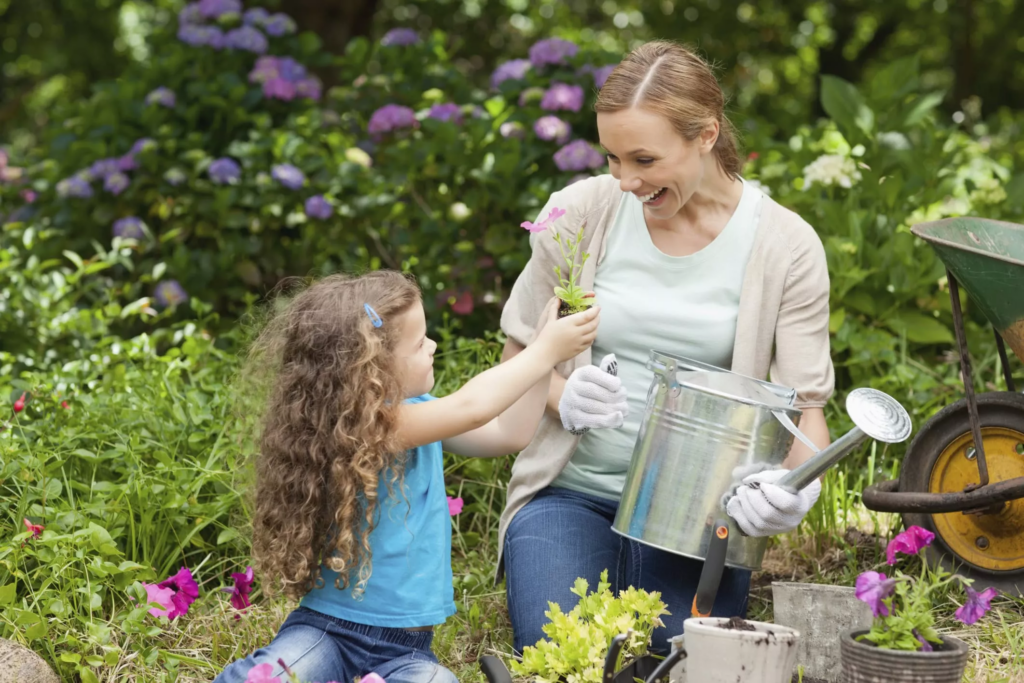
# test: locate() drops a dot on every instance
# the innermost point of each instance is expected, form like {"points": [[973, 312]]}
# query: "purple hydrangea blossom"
{"points": [[265, 69], [280, 89], [127, 162], [169, 293], [163, 96], [318, 207], [246, 38], [601, 74], [400, 37], [552, 51], [256, 16], [130, 227], [197, 36], [116, 183], [224, 171], [552, 128], [279, 25], [562, 96], [391, 117], [310, 87], [514, 69], [214, 9], [102, 168], [290, 70], [75, 186], [288, 175], [190, 14], [447, 111], [512, 129], [578, 155]]}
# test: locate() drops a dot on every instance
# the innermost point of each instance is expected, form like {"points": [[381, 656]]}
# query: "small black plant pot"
{"points": [[564, 311], [640, 668]]}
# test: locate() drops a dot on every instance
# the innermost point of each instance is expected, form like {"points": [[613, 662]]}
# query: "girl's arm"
{"points": [[486, 396]]}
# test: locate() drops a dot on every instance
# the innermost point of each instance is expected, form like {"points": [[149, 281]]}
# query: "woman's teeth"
{"points": [[652, 196]]}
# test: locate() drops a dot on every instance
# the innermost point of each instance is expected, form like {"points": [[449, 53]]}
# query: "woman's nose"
{"points": [[630, 183]]}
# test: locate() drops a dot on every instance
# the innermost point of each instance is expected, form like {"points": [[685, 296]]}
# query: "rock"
{"points": [[18, 664]]}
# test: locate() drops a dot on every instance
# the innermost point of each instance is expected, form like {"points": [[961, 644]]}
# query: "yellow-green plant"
{"points": [[578, 640]]}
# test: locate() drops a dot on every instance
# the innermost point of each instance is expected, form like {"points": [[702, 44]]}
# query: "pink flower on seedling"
{"points": [[36, 529], [555, 214], [261, 673], [977, 604], [19, 405], [910, 542], [371, 678], [161, 596], [185, 591], [872, 589], [240, 593], [454, 506]]}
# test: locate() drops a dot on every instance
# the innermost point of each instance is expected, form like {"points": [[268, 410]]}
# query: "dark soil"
{"points": [[738, 624]]}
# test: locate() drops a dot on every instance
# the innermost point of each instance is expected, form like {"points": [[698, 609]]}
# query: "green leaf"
{"points": [[920, 328], [87, 675], [7, 593], [228, 534], [845, 105], [74, 258], [71, 657], [922, 108], [37, 630], [836, 320]]}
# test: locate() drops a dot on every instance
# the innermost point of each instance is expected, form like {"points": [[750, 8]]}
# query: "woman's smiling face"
{"points": [[652, 160]]}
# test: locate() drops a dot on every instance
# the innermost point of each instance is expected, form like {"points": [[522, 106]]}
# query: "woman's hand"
{"points": [[594, 398], [567, 337], [763, 508]]}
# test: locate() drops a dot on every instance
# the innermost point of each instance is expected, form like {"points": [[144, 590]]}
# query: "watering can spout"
{"points": [[875, 415]]}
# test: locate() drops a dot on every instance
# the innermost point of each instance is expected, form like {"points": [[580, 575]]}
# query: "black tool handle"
{"points": [[495, 670], [612, 658], [711, 574], [661, 672]]}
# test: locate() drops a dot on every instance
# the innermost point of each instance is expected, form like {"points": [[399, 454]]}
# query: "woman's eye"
{"points": [[645, 161], [612, 158]]}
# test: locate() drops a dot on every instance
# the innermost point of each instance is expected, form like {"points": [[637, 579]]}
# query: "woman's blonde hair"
{"points": [[327, 432], [668, 79]]}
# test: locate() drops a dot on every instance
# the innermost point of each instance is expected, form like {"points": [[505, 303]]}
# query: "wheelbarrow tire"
{"points": [[995, 410]]}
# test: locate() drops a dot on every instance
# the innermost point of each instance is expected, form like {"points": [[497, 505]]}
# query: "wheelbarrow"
{"points": [[963, 474]]}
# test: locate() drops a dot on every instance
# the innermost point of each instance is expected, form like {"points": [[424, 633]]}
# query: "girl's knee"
{"points": [[418, 671]]}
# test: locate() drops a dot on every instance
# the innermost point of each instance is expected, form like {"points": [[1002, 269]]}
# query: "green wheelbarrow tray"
{"points": [[987, 259]]}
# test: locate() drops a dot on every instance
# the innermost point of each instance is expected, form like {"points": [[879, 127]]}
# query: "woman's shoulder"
{"points": [[589, 195], [790, 232]]}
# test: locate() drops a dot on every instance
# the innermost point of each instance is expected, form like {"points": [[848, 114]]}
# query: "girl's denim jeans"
{"points": [[561, 535], [321, 648]]}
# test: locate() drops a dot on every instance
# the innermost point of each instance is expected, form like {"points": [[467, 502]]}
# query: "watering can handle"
{"points": [[794, 430], [711, 574]]}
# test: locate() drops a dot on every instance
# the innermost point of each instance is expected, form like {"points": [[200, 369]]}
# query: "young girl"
{"points": [[351, 513]]}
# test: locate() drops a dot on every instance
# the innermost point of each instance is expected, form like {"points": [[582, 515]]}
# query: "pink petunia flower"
{"points": [[977, 604], [454, 506], [371, 678], [242, 589], [872, 589], [36, 529], [185, 591], [163, 597], [262, 673], [910, 542], [553, 216]]}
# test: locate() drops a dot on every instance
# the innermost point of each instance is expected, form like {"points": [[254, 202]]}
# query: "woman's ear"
{"points": [[709, 136]]}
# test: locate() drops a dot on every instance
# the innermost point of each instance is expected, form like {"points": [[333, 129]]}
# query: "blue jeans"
{"points": [[321, 648], [561, 535]]}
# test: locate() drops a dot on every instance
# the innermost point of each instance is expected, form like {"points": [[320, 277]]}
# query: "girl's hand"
{"points": [[570, 336]]}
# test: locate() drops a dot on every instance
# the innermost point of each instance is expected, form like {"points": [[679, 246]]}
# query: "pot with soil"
{"points": [[863, 662], [734, 650]]}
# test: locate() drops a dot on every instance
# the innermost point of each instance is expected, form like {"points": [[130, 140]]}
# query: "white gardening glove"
{"points": [[593, 398], [763, 508]]}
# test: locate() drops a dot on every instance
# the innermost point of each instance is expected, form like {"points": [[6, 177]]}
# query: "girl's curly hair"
{"points": [[327, 433]]}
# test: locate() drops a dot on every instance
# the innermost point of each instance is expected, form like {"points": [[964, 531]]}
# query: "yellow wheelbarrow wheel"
{"points": [[987, 545]]}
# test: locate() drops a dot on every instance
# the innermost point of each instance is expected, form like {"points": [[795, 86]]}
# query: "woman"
{"points": [[686, 258]]}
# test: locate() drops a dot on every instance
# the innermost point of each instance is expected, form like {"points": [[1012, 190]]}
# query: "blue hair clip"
{"points": [[372, 315]]}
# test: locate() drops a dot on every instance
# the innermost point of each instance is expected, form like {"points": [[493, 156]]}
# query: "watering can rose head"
{"points": [[573, 297]]}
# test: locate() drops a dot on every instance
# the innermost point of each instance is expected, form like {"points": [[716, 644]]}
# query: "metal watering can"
{"points": [[705, 429]]}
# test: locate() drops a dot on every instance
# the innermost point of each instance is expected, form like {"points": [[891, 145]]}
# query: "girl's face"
{"points": [[653, 161], [415, 352]]}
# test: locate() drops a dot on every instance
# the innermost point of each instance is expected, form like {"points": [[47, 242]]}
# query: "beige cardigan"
{"points": [[783, 308]]}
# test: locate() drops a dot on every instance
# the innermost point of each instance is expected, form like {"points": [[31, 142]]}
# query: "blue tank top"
{"points": [[411, 581]]}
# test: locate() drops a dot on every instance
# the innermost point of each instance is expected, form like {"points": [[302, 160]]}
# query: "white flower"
{"points": [[831, 169], [459, 211]]}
